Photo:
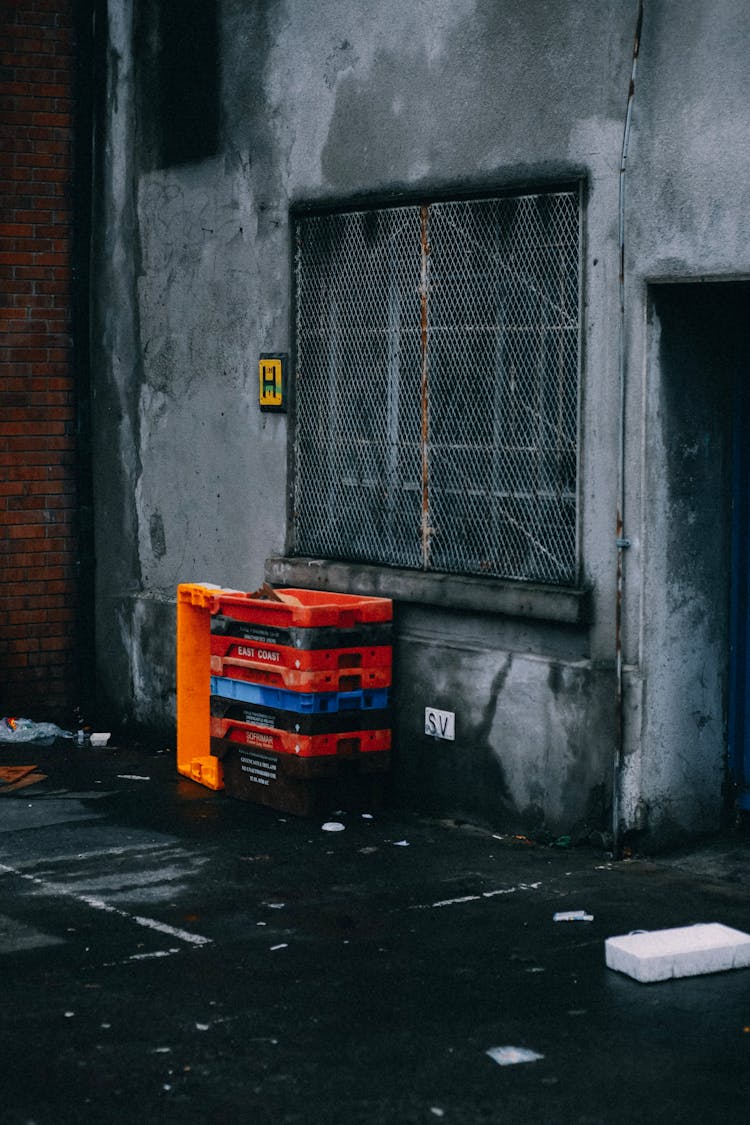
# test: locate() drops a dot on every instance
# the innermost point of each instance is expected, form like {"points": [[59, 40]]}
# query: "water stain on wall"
{"points": [[156, 535]]}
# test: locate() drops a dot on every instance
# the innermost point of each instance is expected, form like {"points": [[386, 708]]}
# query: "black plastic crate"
{"points": [[302, 786], [297, 636]]}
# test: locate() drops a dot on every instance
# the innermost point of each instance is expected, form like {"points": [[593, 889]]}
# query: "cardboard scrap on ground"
{"points": [[18, 777]]}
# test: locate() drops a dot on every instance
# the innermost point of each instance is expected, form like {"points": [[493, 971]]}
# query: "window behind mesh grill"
{"points": [[437, 386]]}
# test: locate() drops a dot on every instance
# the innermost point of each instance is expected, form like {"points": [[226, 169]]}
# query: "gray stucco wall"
{"points": [[688, 220], [344, 100]]}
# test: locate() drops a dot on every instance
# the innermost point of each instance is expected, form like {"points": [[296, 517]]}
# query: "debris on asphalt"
{"points": [[580, 834], [685, 951], [510, 1056], [332, 826], [99, 738], [14, 773], [26, 730], [572, 916], [19, 777], [401, 843]]}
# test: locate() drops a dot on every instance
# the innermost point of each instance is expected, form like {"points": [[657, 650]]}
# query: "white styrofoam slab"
{"points": [[686, 951]]}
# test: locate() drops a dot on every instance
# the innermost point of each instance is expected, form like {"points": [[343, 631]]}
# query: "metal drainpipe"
{"points": [[622, 541], [423, 303], [87, 70]]}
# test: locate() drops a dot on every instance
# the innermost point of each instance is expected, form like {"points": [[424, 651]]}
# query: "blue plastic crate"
{"points": [[306, 702], [334, 722]]}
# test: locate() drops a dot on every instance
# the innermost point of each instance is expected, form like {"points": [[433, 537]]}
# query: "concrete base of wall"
{"points": [[530, 749]]}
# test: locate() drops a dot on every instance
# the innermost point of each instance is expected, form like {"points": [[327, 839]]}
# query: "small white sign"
{"points": [[440, 724]]}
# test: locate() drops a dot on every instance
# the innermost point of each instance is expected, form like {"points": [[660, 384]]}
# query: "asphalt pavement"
{"points": [[172, 954]]}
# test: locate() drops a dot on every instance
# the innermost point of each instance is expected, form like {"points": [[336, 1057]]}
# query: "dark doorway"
{"points": [[701, 476], [739, 618]]}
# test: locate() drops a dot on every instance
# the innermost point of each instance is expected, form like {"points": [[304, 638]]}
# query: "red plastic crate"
{"points": [[343, 744], [296, 679], [302, 660], [307, 608]]}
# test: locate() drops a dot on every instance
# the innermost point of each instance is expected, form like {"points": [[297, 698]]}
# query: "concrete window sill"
{"points": [[564, 605]]}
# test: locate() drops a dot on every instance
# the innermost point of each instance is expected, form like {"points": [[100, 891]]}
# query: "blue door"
{"points": [[739, 627]]}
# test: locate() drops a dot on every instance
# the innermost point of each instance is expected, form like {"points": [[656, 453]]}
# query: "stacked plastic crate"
{"points": [[300, 697]]}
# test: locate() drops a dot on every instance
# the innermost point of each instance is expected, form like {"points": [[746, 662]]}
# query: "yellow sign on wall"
{"points": [[272, 381]]}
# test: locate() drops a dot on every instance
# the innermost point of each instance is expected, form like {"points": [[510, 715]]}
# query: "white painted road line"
{"points": [[57, 890], [477, 897], [150, 956]]}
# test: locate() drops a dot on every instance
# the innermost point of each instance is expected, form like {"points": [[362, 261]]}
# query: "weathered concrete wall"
{"points": [[334, 103], [688, 192], [687, 219], [117, 369], [533, 732], [344, 100]]}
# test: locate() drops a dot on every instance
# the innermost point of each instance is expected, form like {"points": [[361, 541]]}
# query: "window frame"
{"points": [[463, 589]]}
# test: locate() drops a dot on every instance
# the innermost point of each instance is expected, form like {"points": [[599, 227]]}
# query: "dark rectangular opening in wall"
{"points": [[704, 360], [188, 72]]}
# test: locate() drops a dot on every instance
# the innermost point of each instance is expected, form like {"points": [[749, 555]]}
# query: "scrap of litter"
{"points": [[19, 777]]}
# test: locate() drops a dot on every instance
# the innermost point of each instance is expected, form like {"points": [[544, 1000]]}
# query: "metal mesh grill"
{"points": [[437, 386]]}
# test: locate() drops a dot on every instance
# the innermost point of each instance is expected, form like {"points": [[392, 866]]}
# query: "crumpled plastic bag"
{"points": [[510, 1056], [26, 730]]}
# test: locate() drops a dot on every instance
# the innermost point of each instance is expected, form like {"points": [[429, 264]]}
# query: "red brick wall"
{"points": [[38, 548]]}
